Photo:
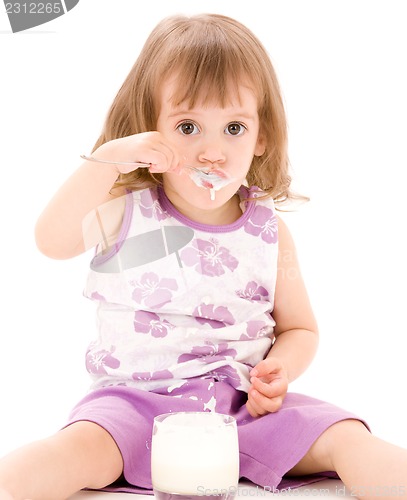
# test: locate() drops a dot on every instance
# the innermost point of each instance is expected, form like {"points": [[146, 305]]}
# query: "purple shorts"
{"points": [[269, 445]]}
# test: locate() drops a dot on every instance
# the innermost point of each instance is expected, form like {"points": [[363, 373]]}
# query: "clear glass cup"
{"points": [[195, 455]]}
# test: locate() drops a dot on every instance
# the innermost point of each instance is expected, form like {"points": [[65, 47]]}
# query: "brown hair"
{"points": [[208, 53]]}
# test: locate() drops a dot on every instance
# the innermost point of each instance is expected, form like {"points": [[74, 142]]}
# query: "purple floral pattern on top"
{"points": [[263, 223], [149, 322], [153, 291], [227, 374], [253, 291], [97, 296], [169, 322], [158, 375], [209, 353], [97, 361], [150, 206], [208, 257], [188, 391], [254, 330], [216, 317]]}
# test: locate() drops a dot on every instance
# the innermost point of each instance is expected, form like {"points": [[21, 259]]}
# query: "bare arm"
{"points": [[86, 194], [59, 232], [296, 334], [296, 327]]}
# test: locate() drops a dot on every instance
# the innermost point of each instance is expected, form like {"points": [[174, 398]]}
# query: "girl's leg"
{"points": [[369, 467], [79, 456]]}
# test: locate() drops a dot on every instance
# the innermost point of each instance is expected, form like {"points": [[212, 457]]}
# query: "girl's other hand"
{"points": [[269, 384], [146, 147]]}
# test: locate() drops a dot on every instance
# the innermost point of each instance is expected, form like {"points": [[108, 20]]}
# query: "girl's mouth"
{"points": [[213, 180]]}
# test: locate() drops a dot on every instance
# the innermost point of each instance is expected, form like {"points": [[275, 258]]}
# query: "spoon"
{"points": [[138, 164], [212, 179]]}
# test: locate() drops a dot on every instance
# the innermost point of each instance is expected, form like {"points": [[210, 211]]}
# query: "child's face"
{"points": [[209, 135]]}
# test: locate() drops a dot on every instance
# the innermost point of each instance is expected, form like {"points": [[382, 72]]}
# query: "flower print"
{"points": [[208, 257], [152, 290], [209, 353], [227, 374], [253, 291], [150, 206], [186, 389], [149, 322], [158, 375], [96, 361], [97, 296], [263, 222], [255, 330], [216, 317], [210, 405]]}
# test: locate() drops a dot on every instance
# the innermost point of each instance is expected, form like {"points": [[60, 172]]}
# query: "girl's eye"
{"points": [[188, 128], [235, 128]]}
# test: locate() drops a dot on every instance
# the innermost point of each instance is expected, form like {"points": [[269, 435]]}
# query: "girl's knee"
{"points": [[344, 431], [338, 438], [321, 455], [103, 457]]}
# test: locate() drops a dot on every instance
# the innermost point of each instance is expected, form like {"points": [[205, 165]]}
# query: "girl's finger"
{"points": [[254, 404], [250, 409], [266, 367], [263, 404], [269, 389]]}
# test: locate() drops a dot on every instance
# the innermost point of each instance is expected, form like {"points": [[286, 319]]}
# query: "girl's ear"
{"points": [[260, 147]]}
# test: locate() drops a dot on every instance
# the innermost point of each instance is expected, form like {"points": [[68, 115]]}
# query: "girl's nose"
{"points": [[212, 153]]}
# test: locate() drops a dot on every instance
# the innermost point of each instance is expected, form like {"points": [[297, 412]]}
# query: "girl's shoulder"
{"points": [[261, 199]]}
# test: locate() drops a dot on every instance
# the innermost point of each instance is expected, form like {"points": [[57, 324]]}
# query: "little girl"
{"points": [[201, 304]]}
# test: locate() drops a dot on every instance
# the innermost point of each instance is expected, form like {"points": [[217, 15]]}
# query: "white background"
{"points": [[342, 68]]}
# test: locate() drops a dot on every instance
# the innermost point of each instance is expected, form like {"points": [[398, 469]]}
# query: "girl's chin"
{"points": [[211, 198]]}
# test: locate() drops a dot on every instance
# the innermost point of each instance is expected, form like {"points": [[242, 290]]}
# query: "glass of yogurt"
{"points": [[194, 455]]}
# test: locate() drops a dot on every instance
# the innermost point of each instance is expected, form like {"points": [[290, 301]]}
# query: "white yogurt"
{"points": [[214, 180]]}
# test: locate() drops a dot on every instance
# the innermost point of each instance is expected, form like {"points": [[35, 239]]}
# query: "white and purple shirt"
{"points": [[178, 299]]}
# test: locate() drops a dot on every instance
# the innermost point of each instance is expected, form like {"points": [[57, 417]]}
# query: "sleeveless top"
{"points": [[178, 299]]}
